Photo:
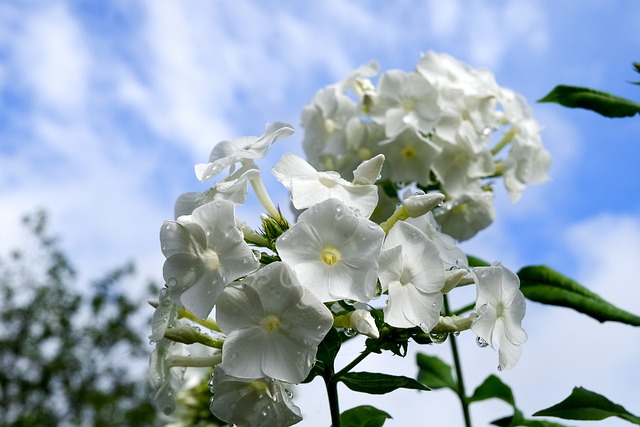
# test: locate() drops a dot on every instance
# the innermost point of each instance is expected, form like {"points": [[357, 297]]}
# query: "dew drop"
{"points": [[499, 367], [438, 338], [233, 356], [172, 282], [350, 332], [167, 410], [350, 301], [289, 393], [456, 334], [481, 342]]}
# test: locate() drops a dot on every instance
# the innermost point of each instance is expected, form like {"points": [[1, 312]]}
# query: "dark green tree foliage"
{"points": [[67, 357]]}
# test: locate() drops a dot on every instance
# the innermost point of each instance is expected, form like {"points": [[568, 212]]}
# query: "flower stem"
{"points": [[353, 363], [458, 367], [331, 384]]}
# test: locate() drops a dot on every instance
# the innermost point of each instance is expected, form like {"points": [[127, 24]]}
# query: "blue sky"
{"points": [[106, 106]]}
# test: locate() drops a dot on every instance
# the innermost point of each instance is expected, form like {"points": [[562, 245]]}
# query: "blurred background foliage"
{"points": [[70, 353]]}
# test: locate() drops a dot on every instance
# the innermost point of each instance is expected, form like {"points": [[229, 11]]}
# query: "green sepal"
{"points": [[377, 383], [603, 103], [434, 373], [587, 405], [363, 416], [545, 285]]}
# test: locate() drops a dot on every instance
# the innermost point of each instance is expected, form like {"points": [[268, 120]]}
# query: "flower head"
{"points": [[273, 326], [205, 252], [333, 252], [501, 307]]}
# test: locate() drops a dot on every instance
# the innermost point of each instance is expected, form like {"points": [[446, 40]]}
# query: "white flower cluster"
{"points": [[438, 127], [272, 309]]}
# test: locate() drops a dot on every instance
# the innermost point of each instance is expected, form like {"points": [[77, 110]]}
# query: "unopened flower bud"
{"points": [[362, 322], [421, 204], [368, 172], [452, 278]]}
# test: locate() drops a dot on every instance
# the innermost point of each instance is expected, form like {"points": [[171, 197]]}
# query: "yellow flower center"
{"points": [[409, 104], [271, 323], [329, 125], [211, 260], [409, 152], [330, 255]]}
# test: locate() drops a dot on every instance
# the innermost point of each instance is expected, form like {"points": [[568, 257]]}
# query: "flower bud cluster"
{"points": [[442, 126]]}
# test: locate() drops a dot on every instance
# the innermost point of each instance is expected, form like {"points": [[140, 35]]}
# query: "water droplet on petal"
{"points": [[172, 282], [350, 332], [481, 342], [499, 367], [289, 393]]}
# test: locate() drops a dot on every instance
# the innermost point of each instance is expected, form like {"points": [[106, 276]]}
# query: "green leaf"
{"points": [[376, 383], [329, 347], [435, 373], [493, 387], [602, 103], [542, 284], [521, 422], [363, 416], [477, 262], [583, 404]]}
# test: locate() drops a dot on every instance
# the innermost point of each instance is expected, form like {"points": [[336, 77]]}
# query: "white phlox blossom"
{"points": [[460, 166], [409, 157], [325, 122], [405, 100], [358, 80], [246, 402], [246, 148], [333, 252], [413, 275], [205, 252], [500, 307], [273, 326], [450, 254], [233, 188], [463, 216], [309, 187]]}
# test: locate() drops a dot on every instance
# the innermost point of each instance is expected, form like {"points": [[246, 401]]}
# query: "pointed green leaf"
{"points": [[493, 387], [363, 416], [329, 347], [542, 284], [583, 404], [521, 422], [602, 103], [435, 373], [477, 262], [376, 383]]}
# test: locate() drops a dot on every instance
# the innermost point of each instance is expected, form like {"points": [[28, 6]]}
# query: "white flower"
{"points": [[247, 402], [460, 166], [159, 377], [308, 186], [227, 153], [450, 254], [273, 326], [333, 252], [205, 252], [405, 100], [166, 314], [412, 273], [501, 307], [409, 157], [232, 188], [463, 216], [363, 323], [325, 122]]}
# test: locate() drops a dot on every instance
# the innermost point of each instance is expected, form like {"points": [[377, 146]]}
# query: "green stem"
{"points": [[353, 363], [464, 309], [331, 383], [462, 395]]}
